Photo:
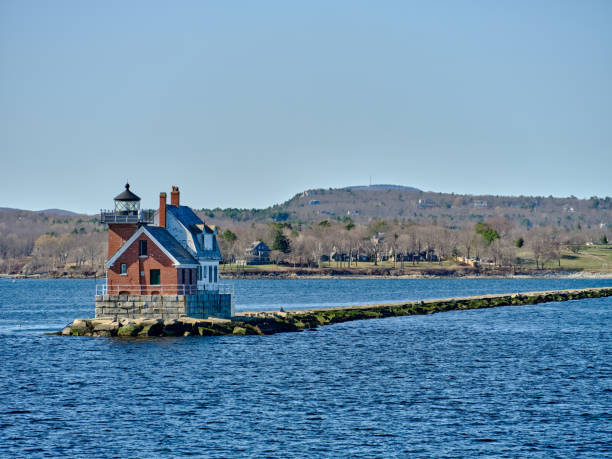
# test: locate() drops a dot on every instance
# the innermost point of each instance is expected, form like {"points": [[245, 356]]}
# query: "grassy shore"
{"points": [[594, 261]]}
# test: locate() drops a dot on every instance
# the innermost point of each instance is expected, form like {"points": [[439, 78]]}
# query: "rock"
{"points": [[78, 328], [146, 322], [206, 331], [66, 331], [80, 324], [173, 328], [129, 329], [153, 329], [105, 325], [187, 333], [252, 329], [239, 331], [102, 333]]}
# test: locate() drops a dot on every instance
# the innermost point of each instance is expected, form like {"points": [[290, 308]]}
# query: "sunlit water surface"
{"points": [[530, 381]]}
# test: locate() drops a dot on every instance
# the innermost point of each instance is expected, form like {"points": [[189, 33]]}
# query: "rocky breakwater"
{"points": [[144, 328], [270, 322]]}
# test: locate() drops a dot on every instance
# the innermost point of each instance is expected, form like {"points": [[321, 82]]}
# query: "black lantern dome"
{"points": [[127, 202]]}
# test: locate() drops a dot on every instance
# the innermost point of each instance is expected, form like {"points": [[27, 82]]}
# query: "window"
{"points": [[154, 276], [182, 276], [123, 269], [200, 272], [216, 273], [143, 249], [210, 274]]}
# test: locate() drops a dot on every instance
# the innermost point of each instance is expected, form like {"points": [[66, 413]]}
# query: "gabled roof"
{"points": [[178, 252], [185, 215], [164, 240], [256, 244]]}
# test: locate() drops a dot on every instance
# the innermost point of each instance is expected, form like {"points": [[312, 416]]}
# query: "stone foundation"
{"points": [[203, 305]]}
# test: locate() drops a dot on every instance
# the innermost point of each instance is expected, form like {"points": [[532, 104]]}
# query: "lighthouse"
{"points": [[161, 264]]}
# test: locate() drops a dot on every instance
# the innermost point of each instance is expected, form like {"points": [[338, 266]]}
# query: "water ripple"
{"points": [[534, 381]]}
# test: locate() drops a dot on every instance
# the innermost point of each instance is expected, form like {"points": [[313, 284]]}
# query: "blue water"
{"points": [[304, 293], [530, 381]]}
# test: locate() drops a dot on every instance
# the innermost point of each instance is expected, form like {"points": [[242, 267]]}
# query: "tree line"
{"points": [[31, 242], [496, 242], [38, 243]]}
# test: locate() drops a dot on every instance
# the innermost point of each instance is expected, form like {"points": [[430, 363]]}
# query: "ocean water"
{"points": [[529, 381]]}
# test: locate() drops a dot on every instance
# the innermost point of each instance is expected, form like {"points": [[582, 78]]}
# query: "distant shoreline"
{"points": [[338, 274]]}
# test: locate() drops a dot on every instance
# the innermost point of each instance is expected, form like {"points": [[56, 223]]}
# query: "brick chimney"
{"points": [[175, 196], [162, 210]]}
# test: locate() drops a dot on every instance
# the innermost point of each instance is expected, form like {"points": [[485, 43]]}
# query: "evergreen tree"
{"points": [[280, 242], [229, 236]]}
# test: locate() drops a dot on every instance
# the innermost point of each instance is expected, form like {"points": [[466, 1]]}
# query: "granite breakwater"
{"points": [[270, 322]]}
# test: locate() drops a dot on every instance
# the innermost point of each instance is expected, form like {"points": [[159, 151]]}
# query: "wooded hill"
{"points": [[39, 242], [373, 220], [363, 204]]}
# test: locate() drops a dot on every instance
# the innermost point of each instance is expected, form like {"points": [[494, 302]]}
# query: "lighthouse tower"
{"points": [[124, 220]]}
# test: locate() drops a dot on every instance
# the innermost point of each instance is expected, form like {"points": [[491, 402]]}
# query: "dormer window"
{"points": [[142, 249]]}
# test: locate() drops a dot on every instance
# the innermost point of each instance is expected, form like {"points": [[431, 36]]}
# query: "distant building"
{"points": [[480, 204], [258, 253], [426, 203], [378, 238], [314, 202]]}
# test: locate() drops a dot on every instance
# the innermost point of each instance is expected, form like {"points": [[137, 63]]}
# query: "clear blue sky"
{"points": [[244, 104]]}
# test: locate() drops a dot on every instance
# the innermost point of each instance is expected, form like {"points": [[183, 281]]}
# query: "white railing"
{"points": [[162, 289], [110, 216], [220, 287]]}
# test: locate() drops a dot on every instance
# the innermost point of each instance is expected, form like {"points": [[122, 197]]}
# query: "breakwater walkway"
{"points": [[270, 322]]}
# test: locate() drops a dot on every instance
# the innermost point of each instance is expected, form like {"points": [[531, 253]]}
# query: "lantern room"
{"points": [[127, 203], [127, 210]]}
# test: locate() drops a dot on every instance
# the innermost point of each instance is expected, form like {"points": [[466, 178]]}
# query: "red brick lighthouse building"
{"points": [[156, 258]]}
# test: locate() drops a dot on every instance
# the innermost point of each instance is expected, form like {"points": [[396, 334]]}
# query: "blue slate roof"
{"points": [[168, 242], [185, 215], [189, 220]]}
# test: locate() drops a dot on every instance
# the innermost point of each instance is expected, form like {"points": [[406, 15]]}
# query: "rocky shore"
{"points": [[270, 322], [144, 328]]}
